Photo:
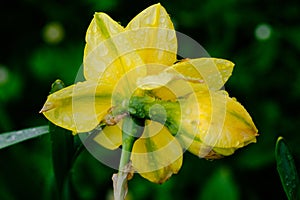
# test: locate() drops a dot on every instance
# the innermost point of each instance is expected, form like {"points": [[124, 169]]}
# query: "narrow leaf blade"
{"points": [[13, 137], [287, 170]]}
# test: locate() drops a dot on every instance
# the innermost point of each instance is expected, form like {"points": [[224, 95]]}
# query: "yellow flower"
{"points": [[133, 72]]}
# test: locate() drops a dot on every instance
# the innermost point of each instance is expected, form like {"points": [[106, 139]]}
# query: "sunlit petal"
{"points": [[223, 125], [198, 148], [108, 49], [238, 128], [211, 72], [79, 107], [153, 36], [157, 154], [110, 137], [187, 77]]}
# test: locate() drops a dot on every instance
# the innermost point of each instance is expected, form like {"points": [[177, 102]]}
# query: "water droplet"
{"points": [[160, 54], [99, 66], [102, 50], [173, 47], [10, 138], [171, 35], [141, 114], [149, 19], [188, 111], [127, 61], [132, 111], [220, 62], [113, 29], [237, 143], [162, 20], [125, 103], [20, 132], [66, 118]]}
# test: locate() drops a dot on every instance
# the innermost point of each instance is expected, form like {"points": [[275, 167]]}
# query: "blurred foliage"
{"points": [[260, 37]]}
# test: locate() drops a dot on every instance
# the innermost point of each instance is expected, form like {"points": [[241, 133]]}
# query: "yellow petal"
{"points": [[101, 29], [108, 50], [154, 81], [223, 124], [224, 151], [110, 137], [213, 72], [153, 35], [79, 107], [188, 123], [157, 154], [174, 89], [238, 128], [193, 144], [200, 74], [199, 149]]}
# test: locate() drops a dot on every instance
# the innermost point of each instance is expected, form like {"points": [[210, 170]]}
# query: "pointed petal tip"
{"points": [[47, 106]]}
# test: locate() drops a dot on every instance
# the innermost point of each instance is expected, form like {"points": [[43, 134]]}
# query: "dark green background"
{"points": [[266, 80]]}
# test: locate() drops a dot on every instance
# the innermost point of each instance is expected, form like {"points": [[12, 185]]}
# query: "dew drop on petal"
{"points": [[103, 50], [220, 62], [160, 54], [188, 111], [127, 61], [149, 19], [162, 20], [172, 46], [66, 118], [170, 35], [113, 29]]}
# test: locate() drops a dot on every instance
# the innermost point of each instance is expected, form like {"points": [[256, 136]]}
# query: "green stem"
{"points": [[130, 131], [127, 144]]}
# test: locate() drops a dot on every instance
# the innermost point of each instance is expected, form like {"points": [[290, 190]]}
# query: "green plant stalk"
{"points": [[140, 108], [287, 170], [130, 131], [120, 189]]}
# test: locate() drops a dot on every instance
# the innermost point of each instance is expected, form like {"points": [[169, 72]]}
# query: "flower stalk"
{"points": [[130, 131]]}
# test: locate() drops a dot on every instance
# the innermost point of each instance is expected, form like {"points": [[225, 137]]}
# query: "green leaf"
{"points": [[287, 170], [10, 138], [62, 152]]}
